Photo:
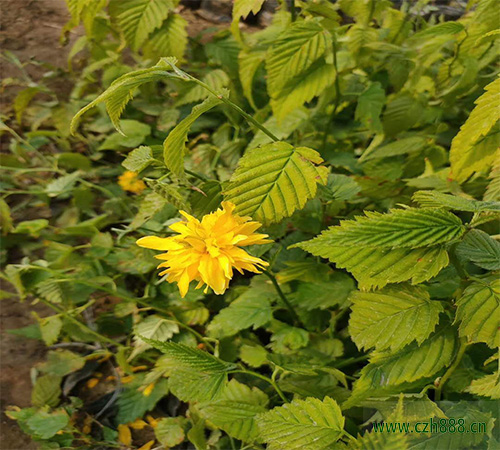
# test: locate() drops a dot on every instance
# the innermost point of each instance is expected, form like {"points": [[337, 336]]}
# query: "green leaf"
{"points": [[151, 204], [323, 294], [45, 425], [248, 64], [152, 327], [309, 424], [481, 120], [234, 412], [411, 363], [469, 413], [191, 386], [441, 29], [242, 8], [400, 228], [481, 249], [50, 327], [174, 146], [5, 217], [191, 358], [122, 89], [301, 89], [251, 309], [139, 18], [435, 199], [46, 390], [400, 147], [478, 311], [493, 189], [373, 440], [62, 362], [253, 355], [169, 40], [217, 80], [296, 49], [62, 184], [138, 159], [374, 268], [169, 431], [207, 199], [133, 404], [272, 181], [31, 227], [340, 187], [401, 114], [132, 134], [369, 107], [392, 317], [22, 100], [487, 386]]}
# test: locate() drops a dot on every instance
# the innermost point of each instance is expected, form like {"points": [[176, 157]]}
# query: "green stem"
{"points": [[98, 336], [196, 175], [235, 107], [293, 10], [348, 362], [283, 298], [458, 359], [267, 379]]}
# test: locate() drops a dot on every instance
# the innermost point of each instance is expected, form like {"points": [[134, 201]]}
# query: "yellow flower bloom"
{"points": [[208, 250], [129, 181]]}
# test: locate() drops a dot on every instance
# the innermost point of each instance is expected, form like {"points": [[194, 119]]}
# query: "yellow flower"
{"points": [[208, 250], [129, 181]]}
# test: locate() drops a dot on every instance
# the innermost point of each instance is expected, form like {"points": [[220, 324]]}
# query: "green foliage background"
{"points": [[364, 138]]}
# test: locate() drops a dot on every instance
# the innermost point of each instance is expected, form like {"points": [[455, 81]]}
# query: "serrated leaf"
{"points": [[493, 189], [22, 100], [480, 121], [487, 386], [400, 228], [251, 309], [435, 199], [481, 249], [302, 88], [121, 92], [50, 327], [401, 114], [478, 311], [441, 29], [309, 424], [174, 146], [46, 390], [272, 181], [469, 413], [340, 187], [152, 327], [373, 440], [217, 80], [297, 48], [138, 159], [375, 268], [191, 358], [369, 107], [169, 40], [138, 18], [392, 317], [234, 412], [170, 192], [208, 200], [409, 364]]}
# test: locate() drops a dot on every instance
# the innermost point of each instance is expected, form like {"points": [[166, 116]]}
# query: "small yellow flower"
{"points": [[124, 435], [208, 250], [129, 181]]}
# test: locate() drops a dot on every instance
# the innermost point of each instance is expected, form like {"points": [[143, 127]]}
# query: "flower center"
{"points": [[212, 247]]}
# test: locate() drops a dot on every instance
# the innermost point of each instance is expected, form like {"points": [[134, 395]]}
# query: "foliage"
{"points": [[363, 136]]}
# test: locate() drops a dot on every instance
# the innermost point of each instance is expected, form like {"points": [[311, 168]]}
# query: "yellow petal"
{"points": [[147, 445], [124, 435], [156, 243], [137, 424]]}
